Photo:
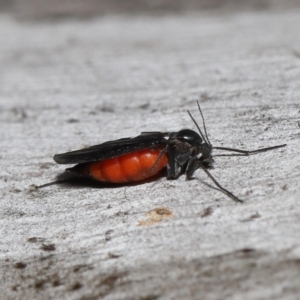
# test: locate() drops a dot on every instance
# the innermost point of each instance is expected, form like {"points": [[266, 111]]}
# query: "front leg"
{"points": [[173, 167], [192, 166], [195, 163]]}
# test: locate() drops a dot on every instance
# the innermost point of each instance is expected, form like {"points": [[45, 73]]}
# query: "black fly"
{"points": [[138, 158]]}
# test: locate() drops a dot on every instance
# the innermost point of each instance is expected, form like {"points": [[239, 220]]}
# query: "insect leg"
{"points": [[195, 164], [223, 190], [191, 167], [173, 167], [159, 158]]}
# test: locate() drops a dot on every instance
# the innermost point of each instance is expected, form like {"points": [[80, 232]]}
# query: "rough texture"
{"points": [[71, 84], [55, 9]]}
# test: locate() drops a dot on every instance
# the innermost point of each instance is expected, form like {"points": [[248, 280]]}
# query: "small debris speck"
{"points": [[48, 247]]}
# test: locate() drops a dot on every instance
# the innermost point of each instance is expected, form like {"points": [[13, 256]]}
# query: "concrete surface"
{"points": [[74, 83], [60, 9], [55, 9]]}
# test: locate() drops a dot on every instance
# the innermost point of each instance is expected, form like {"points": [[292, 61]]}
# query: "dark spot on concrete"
{"points": [[106, 108], [15, 190], [205, 97], [294, 261], [252, 217], [149, 297], [296, 53], [20, 265], [122, 213], [56, 282], [82, 267], [110, 280], [144, 106], [20, 113], [108, 235], [76, 286], [48, 247], [112, 255], [247, 250], [46, 257], [15, 287], [15, 213], [39, 284], [35, 240], [206, 212], [72, 120]]}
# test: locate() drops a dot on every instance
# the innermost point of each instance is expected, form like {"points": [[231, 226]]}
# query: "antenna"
{"points": [[239, 152], [202, 135], [246, 152], [203, 121]]}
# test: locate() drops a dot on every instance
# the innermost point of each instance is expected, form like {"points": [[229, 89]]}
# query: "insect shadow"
{"points": [[71, 180]]}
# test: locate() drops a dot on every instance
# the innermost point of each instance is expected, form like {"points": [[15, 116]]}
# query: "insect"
{"points": [[135, 159]]}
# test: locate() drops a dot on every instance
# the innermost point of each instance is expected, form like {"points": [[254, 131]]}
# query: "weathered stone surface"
{"points": [[74, 83]]}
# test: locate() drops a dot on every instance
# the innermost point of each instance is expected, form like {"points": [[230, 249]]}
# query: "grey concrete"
{"points": [[57, 9], [72, 84]]}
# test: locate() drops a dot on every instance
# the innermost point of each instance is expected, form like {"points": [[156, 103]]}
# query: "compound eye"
{"points": [[189, 136]]}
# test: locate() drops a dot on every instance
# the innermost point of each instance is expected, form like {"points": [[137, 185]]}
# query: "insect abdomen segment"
{"points": [[134, 166]]}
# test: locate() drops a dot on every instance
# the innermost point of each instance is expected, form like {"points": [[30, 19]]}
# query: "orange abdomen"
{"points": [[134, 166]]}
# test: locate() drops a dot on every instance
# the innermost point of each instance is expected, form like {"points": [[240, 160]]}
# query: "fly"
{"points": [[135, 159]]}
